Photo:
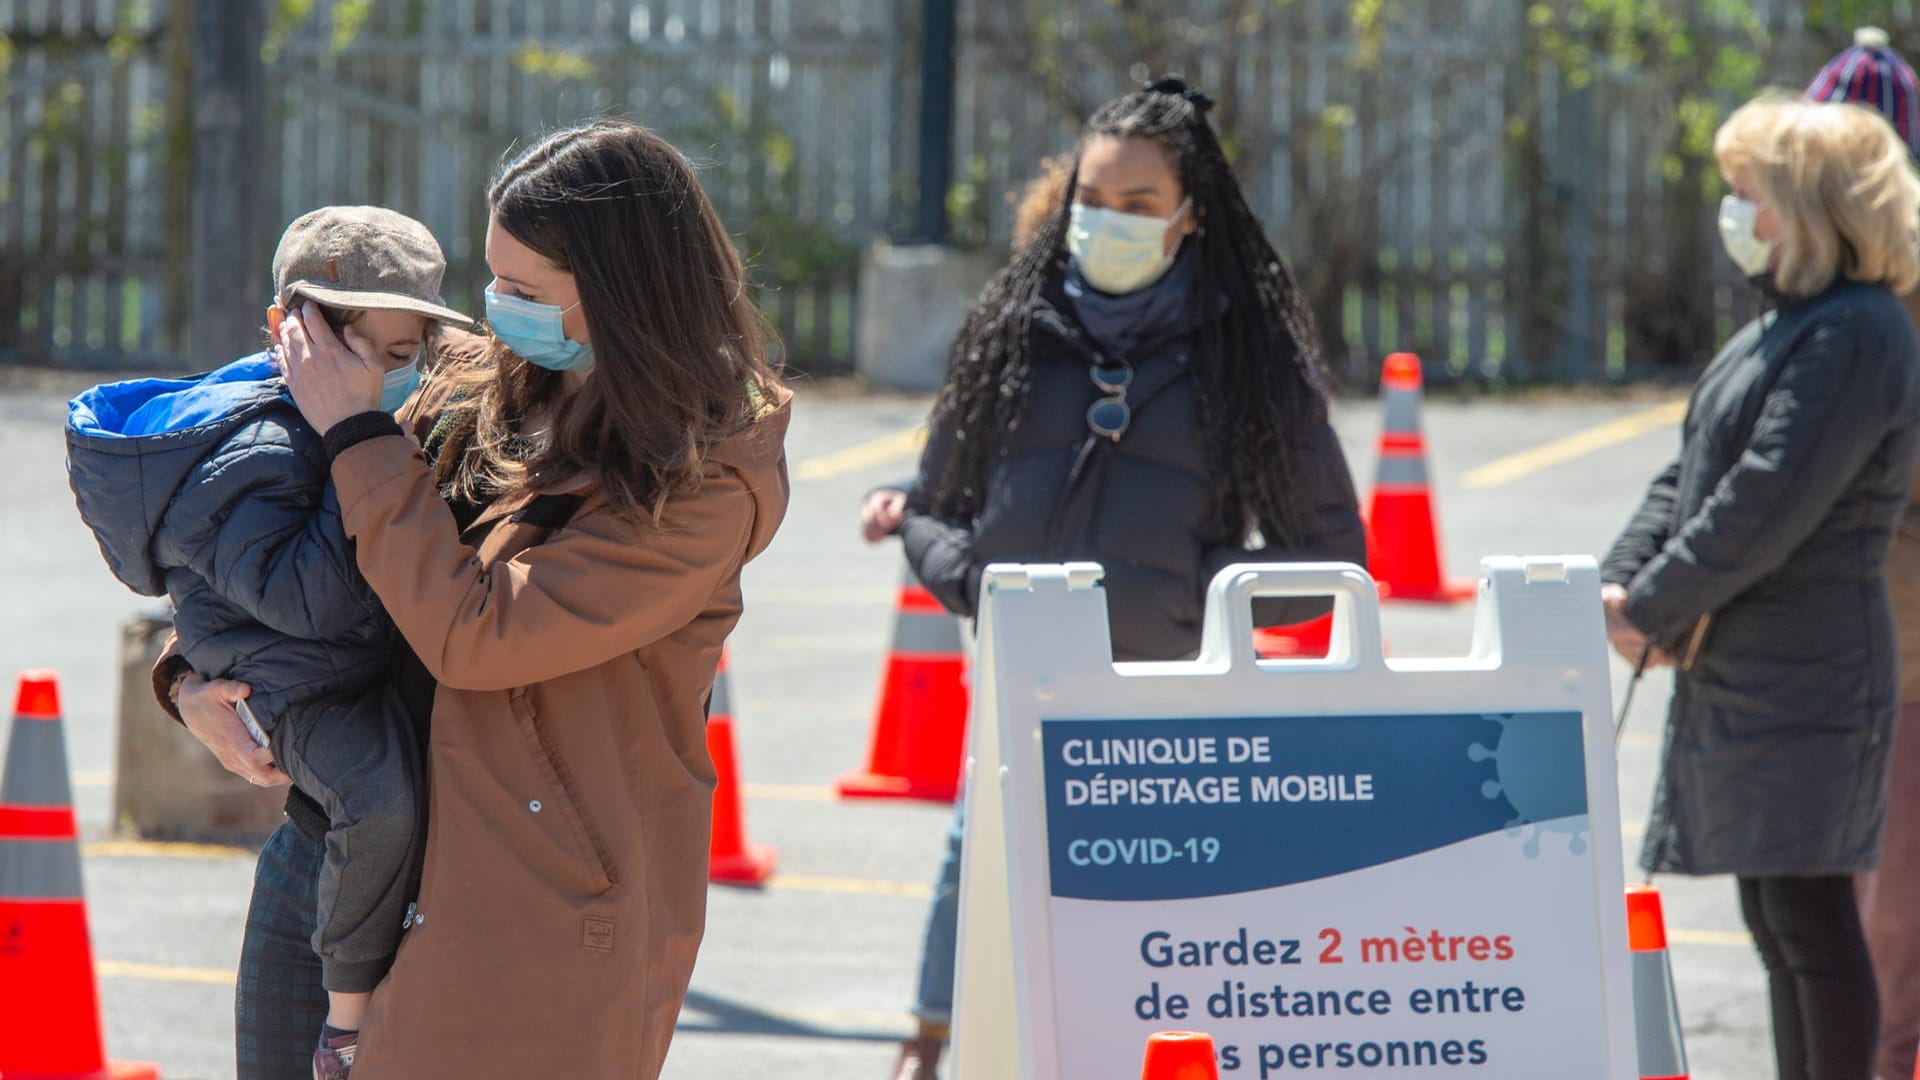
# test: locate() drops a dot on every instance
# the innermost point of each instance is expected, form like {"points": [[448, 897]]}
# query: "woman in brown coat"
{"points": [[563, 555]]}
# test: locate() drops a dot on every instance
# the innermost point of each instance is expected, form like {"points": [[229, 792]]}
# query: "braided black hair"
{"points": [[1261, 384]]}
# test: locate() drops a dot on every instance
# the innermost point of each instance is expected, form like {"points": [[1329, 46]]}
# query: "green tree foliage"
{"points": [[1679, 65], [785, 250], [1704, 55], [345, 19]]}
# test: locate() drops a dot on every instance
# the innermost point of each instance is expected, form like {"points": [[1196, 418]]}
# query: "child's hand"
{"points": [[329, 380], [206, 706]]}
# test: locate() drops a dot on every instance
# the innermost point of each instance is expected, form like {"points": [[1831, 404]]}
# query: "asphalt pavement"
{"points": [[809, 976]]}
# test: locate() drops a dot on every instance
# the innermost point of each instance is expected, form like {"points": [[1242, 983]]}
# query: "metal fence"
{"points": [[1451, 195], [92, 195], [1445, 189], [787, 105]]}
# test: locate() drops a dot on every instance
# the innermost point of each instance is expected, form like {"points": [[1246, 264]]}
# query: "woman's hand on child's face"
{"points": [[207, 708], [329, 379]]}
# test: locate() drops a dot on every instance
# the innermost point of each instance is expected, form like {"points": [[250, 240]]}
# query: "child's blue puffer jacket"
{"points": [[214, 490]]}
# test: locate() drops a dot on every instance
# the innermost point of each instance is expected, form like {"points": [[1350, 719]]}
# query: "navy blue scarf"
{"points": [[1118, 323]]}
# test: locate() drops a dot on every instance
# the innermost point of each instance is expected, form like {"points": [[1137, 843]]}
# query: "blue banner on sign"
{"points": [[1169, 809]]}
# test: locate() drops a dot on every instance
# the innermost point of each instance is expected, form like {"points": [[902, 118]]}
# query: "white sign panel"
{"points": [[1332, 867]]}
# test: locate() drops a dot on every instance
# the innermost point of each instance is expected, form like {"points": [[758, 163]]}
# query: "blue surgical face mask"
{"points": [[399, 385], [534, 332]]}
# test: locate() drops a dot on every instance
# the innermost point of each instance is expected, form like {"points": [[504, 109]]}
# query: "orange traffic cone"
{"points": [[1403, 543], [1312, 638], [920, 729], [49, 1006], [730, 859], [1179, 1055], [1656, 1010]]}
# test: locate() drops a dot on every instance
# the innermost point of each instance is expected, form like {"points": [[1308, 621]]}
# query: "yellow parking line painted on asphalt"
{"points": [[1579, 444], [118, 969], [789, 792], [910, 890], [886, 450], [159, 849]]}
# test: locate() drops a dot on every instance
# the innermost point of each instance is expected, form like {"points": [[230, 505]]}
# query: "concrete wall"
{"points": [[166, 785], [912, 302]]}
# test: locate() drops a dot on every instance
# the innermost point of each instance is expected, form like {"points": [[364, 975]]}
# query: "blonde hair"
{"points": [[1841, 183]]}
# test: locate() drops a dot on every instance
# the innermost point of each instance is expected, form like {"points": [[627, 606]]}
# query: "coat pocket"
{"points": [[566, 801]]}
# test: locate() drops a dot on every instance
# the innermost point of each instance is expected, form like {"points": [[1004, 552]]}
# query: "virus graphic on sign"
{"points": [[1541, 770]]}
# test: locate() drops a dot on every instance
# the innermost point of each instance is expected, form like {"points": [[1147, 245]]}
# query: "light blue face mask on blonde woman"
{"points": [[534, 331], [1120, 253], [1748, 252]]}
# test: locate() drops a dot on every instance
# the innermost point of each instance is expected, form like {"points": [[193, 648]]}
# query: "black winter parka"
{"points": [[1756, 561], [214, 491], [1139, 506]]}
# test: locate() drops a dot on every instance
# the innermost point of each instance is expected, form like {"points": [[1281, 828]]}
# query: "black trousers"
{"points": [[278, 1003], [1826, 1011]]}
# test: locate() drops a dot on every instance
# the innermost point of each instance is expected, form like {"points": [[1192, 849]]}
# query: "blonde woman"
{"points": [[1755, 564]]}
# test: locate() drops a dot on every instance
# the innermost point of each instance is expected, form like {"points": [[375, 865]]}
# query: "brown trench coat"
{"points": [[564, 892]]}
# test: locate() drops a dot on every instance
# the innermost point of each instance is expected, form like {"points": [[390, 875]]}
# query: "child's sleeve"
{"points": [[261, 524]]}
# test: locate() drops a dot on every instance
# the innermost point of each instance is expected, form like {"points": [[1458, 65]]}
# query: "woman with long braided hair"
{"points": [[1140, 387]]}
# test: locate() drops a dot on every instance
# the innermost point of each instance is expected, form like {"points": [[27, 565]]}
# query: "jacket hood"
{"points": [[131, 444], [760, 455]]}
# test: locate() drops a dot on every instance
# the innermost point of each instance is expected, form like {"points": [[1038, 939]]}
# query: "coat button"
{"points": [[534, 806]]}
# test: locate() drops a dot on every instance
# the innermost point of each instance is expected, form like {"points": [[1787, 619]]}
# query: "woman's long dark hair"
{"points": [[1261, 385], [680, 350]]}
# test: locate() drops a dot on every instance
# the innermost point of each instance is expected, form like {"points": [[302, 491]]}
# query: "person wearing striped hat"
{"points": [[1870, 73]]}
